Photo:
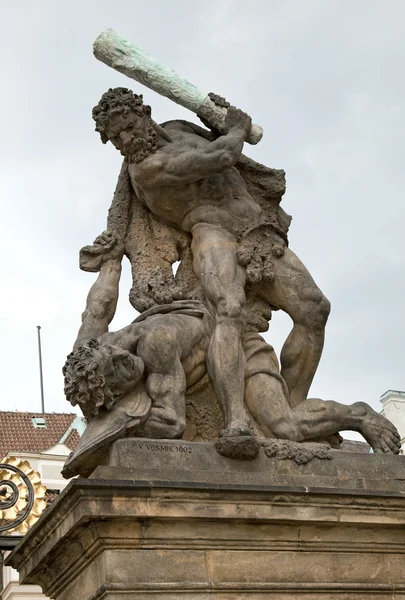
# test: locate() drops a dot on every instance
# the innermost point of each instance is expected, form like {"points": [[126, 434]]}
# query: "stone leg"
{"points": [[222, 280], [296, 293]]}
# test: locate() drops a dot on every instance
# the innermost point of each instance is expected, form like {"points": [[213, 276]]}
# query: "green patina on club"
{"points": [[125, 57], [130, 60]]}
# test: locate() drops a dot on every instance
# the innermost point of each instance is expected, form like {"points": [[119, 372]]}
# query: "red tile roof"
{"points": [[72, 439], [18, 434]]}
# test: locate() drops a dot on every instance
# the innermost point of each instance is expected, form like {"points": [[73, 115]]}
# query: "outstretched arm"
{"points": [[105, 256], [186, 165]]}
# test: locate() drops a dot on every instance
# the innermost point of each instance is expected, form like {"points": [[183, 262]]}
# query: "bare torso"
{"points": [[219, 198], [177, 333]]}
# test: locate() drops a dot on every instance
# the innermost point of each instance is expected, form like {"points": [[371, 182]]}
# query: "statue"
{"points": [[188, 194], [192, 183], [197, 439], [133, 382]]}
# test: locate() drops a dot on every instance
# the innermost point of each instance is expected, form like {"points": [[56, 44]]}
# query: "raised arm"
{"points": [[105, 256], [182, 166]]}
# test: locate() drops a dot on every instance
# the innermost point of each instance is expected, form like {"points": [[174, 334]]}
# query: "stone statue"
{"points": [[133, 382], [187, 194], [180, 400], [192, 183]]}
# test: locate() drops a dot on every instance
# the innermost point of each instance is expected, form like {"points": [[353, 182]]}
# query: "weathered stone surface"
{"points": [[191, 462], [142, 538], [193, 364], [300, 453], [203, 414], [196, 346], [238, 447]]}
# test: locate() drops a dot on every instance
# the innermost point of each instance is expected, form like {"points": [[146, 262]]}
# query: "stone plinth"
{"points": [[192, 525]]}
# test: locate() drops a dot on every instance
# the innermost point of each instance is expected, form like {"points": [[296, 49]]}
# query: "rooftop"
{"points": [[38, 432], [389, 392]]}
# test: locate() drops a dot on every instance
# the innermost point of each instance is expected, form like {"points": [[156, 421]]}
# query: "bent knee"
{"points": [[231, 306], [314, 310], [285, 428], [231, 312]]}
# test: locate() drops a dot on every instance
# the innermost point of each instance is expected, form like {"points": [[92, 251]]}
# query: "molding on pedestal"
{"points": [[190, 540]]}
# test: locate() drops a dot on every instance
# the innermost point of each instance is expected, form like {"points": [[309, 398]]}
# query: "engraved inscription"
{"points": [[165, 448]]}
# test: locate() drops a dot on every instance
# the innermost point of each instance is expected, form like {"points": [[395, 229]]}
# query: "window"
{"points": [[39, 422]]}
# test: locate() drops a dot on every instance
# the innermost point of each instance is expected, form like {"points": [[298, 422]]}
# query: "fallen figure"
{"points": [[133, 382]]}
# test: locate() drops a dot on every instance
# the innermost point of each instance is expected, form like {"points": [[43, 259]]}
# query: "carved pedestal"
{"points": [[175, 521]]}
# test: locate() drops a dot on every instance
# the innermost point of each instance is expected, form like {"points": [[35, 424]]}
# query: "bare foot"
{"points": [[380, 433]]}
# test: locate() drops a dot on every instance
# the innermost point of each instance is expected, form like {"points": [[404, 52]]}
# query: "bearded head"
{"points": [[123, 119]]}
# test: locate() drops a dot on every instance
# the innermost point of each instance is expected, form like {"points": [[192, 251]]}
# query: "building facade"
{"points": [[44, 440], [393, 402]]}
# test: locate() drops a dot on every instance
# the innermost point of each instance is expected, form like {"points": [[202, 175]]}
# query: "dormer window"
{"points": [[39, 422]]}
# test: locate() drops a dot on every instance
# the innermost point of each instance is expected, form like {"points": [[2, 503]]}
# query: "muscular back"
{"points": [[179, 184]]}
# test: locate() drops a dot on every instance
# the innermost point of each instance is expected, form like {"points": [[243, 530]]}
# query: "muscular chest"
{"points": [[176, 204], [168, 203]]}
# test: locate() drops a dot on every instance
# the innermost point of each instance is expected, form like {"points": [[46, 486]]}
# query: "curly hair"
{"points": [[115, 101], [84, 380]]}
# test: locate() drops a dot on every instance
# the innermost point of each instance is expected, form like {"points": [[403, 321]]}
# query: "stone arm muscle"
{"points": [[101, 302], [190, 165]]}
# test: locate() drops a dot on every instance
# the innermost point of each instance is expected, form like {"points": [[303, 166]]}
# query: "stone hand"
{"points": [[237, 120], [219, 100], [107, 246]]}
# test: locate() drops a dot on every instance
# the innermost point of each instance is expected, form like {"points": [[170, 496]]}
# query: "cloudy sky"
{"points": [[325, 80]]}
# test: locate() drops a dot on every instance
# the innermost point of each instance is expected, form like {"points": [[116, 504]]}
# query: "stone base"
{"points": [[183, 534]]}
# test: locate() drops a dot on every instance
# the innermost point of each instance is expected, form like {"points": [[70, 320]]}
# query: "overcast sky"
{"points": [[325, 79]]}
